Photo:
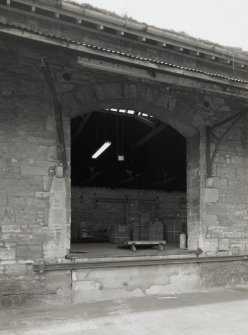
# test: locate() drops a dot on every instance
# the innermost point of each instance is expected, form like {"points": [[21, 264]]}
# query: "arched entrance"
{"points": [[157, 103]]}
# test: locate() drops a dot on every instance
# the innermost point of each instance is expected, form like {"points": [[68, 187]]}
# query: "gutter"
{"points": [[151, 32]]}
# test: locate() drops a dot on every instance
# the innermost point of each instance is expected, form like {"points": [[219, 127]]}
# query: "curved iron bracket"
{"points": [[57, 112], [210, 156]]}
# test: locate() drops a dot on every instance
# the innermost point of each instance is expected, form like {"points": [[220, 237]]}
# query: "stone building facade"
{"points": [[95, 62]]}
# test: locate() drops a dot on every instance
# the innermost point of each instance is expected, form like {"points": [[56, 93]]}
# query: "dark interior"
{"points": [[123, 194], [154, 153]]}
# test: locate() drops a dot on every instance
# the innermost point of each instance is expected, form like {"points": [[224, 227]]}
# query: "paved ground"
{"points": [[217, 312]]}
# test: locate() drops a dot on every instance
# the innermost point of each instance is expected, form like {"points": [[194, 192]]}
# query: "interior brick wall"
{"points": [[105, 221]]}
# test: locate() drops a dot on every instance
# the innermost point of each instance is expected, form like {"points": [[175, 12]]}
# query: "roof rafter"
{"points": [[149, 136], [84, 120]]}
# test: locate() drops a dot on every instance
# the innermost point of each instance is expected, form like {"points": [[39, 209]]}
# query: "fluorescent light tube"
{"points": [[101, 150]]}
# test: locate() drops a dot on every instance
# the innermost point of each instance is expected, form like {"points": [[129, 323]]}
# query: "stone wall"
{"points": [[110, 221], [116, 283], [193, 191], [34, 204], [224, 197]]}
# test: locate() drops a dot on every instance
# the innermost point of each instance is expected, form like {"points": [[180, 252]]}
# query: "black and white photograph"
{"points": [[123, 167]]}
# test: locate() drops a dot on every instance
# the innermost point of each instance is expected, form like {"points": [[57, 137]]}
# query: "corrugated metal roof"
{"points": [[124, 54]]}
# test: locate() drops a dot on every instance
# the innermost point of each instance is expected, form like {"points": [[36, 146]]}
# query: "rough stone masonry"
{"points": [[35, 204]]}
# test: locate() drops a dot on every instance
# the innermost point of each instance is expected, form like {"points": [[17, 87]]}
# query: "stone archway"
{"points": [[163, 104], [156, 100]]}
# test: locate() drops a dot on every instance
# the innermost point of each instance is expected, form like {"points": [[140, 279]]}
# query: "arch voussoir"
{"points": [[154, 100]]}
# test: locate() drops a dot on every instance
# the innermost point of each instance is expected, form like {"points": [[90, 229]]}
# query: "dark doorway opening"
{"points": [[143, 165]]}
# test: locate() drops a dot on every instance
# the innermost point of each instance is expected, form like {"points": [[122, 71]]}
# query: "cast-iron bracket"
{"points": [[210, 156], [57, 112]]}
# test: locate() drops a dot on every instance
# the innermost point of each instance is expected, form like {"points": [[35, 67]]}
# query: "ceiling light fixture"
{"points": [[121, 158], [101, 150]]}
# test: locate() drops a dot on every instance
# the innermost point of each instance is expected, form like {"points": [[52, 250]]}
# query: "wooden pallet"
{"points": [[160, 244]]}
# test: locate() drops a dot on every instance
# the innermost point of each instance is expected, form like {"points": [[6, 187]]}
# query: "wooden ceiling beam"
{"points": [[149, 136], [84, 120]]}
